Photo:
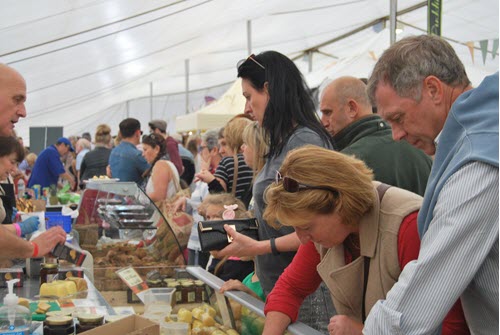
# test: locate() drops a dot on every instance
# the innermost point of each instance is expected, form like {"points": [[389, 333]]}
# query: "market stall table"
{"points": [[92, 302]]}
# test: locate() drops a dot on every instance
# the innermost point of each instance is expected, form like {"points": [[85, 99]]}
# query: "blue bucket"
{"points": [[53, 219]]}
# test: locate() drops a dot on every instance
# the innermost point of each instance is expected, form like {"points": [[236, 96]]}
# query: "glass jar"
{"points": [[58, 325], [88, 322], [178, 292], [48, 272], [188, 292], [153, 283], [200, 293]]}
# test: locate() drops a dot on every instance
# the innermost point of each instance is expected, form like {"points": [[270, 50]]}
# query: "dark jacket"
{"points": [[394, 163]]}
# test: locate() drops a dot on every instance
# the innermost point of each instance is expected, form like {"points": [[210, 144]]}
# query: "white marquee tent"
{"points": [[214, 115], [93, 61]]}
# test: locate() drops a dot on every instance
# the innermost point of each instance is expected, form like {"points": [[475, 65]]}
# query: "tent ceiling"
{"points": [[81, 57]]}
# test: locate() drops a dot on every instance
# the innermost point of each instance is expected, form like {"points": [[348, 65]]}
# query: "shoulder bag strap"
{"points": [[381, 189], [235, 174]]}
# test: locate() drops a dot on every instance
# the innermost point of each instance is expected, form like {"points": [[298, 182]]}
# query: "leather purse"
{"points": [[214, 237]]}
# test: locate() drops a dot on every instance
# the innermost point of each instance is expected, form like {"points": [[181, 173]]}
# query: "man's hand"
{"points": [[29, 225], [343, 325], [49, 239]]}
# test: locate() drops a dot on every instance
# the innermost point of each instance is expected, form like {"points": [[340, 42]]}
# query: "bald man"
{"points": [[12, 99], [347, 114]]}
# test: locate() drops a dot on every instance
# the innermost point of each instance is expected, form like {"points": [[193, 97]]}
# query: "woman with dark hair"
{"points": [[278, 98], [162, 178], [11, 154]]}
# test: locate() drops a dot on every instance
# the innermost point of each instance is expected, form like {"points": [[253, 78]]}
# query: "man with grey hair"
{"points": [[346, 113], [421, 88]]}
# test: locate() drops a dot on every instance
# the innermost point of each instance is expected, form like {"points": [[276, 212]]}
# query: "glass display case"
{"points": [[121, 226]]}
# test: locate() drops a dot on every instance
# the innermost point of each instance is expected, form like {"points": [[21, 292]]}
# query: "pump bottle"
{"points": [[14, 318]]}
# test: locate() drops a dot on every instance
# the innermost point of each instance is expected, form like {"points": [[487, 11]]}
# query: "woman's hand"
{"points": [[233, 285], [343, 325], [179, 205], [240, 246], [205, 176]]}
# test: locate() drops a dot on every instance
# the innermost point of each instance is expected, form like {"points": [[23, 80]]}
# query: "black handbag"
{"points": [[214, 237]]}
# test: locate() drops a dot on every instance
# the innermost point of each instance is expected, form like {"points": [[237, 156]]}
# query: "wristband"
{"points": [[35, 249], [18, 229], [274, 250]]}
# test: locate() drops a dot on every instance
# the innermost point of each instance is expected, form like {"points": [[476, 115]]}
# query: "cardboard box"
{"points": [[130, 325]]}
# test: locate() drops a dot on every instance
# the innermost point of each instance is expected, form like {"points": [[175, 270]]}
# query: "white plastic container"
{"points": [[14, 319], [158, 302]]}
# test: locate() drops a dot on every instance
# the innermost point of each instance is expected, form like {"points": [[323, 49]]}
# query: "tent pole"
{"points": [[249, 37], [392, 20], [128, 109], [186, 74], [151, 100], [310, 60]]}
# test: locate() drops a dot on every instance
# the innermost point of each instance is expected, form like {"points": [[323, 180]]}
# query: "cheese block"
{"points": [[42, 308], [58, 288], [24, 302], [81, 283]]}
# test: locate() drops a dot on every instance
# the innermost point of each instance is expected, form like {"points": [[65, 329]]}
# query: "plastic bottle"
{"points": [[14, 318], [21, 188]]}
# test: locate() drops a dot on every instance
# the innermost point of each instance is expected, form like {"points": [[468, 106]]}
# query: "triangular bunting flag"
{"points": [[372, 55], [470, 45], [495, 48], [484, 49]]}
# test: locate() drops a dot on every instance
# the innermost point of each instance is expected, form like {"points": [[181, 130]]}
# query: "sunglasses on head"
{"points": [[252, 58], [292, 186]]}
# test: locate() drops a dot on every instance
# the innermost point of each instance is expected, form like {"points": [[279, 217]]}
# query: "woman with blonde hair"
{"points": [[356, 235], [218, 207], [232, 175], [95, 161]]}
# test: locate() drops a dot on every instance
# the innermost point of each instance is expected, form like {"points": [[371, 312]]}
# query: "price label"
{"points": [[132, 279]]}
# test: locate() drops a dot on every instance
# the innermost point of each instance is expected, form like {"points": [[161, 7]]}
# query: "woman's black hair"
{"points": [[10, 145], [155, 140], [290, 102]]}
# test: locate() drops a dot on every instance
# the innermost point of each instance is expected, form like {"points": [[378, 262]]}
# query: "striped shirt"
{"points": [[225, 171], [458, 258]]}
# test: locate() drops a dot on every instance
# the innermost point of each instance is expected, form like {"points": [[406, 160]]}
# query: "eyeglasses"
{"points": [[292, 186], [201, 148], [252, 58]]}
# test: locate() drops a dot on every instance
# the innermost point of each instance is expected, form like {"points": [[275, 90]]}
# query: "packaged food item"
{"points": [[7, 274], [69, 253]]}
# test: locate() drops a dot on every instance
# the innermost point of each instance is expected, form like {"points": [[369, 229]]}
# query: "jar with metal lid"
{"points": [[188, 292], [48, 272], [178, 292], [58, 325], [153, 283], [200, 293], [88, 322], [57, 313]]}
